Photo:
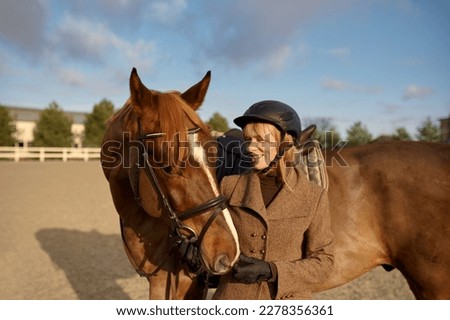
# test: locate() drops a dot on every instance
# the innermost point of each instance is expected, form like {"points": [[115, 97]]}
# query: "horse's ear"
{"points": [[138, 92], [307, 133], [195, 95]]}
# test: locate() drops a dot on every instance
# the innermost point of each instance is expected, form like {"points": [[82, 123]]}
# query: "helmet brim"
{"points": [[242, 121]]}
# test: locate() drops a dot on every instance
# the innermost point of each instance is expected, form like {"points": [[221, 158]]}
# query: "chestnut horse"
{"points": [[164, 189], [390, 207]]}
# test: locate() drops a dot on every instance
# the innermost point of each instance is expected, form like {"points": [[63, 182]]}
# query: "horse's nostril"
{"points": [[222, 264]]}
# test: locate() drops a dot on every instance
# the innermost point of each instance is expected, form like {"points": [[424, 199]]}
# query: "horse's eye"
{"points": [[168, 169]]}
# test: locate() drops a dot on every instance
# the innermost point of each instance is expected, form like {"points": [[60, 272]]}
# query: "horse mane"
{"points": [[124, 118]]}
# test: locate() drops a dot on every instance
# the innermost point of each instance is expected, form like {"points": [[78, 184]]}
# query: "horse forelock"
{"points": [[172, 113], [182, 109]]}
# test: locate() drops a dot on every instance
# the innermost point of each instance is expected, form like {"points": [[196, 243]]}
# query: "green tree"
{"points": [[218, 123], [358, 134], [7, 128], [326, 133], [429, 131], [53, 129], [401, 134], [95, 124]]}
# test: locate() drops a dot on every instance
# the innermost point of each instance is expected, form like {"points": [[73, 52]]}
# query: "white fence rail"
{"points": [[42, 154]]}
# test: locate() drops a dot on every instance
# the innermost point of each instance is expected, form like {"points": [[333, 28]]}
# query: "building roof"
{"points": [[32, 114]]}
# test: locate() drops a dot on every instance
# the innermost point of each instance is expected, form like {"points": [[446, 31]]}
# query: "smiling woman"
{"points": [[263, 143], [281, 217]]}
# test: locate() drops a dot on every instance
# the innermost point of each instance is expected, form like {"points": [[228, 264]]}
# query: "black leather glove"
{"points": [[251, 270], [189, 253]]}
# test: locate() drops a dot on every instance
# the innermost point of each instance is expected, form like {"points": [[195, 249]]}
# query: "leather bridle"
{"points": [[178, 230]]}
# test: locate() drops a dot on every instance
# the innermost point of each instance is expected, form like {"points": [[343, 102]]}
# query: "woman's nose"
{"points": [[253, 145]]}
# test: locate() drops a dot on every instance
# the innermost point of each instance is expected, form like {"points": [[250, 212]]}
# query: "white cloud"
{"points": [[334, 84], [117, 3], [416, 92], [340, 85], [167, 12], [87, 41], [246, 32], [340, 52], [278, 59], [71, 77], [80, 37], [23, 23]]}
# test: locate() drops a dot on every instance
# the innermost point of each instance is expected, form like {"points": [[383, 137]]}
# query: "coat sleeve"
{"points": [[296, 278]]}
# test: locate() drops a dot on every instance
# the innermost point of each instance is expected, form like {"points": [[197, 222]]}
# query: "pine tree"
{"points": [[358, 134], [218, 123], [95, 124], [429, 131], [401, 134], [7, 128], [326, 133], [53, 129]]}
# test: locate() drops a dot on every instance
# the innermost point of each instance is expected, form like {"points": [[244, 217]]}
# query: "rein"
{"points": [[179, 231]]}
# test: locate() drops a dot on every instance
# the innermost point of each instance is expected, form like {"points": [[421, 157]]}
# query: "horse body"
{"points": [[389, 202], [156, 169], [390, 206]]}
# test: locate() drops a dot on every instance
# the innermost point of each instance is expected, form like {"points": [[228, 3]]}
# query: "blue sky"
{"points": [[385, 63]]}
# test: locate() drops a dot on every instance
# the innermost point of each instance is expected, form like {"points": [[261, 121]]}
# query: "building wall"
{"points": [[24, 133], [25, 121], [77, 133]]}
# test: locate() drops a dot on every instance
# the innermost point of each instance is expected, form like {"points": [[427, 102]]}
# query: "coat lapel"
{"points": [[284, 205], [247, 194]]}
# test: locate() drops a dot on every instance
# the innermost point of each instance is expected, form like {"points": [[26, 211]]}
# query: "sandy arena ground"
{"points": [[59, 239]]}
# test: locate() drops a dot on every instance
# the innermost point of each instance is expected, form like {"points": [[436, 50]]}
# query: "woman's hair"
{"points": [[261, 129]]}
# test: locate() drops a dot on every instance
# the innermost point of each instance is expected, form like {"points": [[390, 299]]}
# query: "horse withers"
{"points": [[156, 156]]}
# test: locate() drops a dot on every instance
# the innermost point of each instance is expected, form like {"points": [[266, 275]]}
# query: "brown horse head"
{"points": [[164, 166]]}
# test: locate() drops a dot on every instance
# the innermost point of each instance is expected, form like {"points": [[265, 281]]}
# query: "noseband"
{"points": [[178, 230]]}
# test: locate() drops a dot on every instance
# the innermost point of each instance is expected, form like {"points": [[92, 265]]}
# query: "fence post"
{"points": [[64, 155], [86, 155], [41, 155], [16, 154]]}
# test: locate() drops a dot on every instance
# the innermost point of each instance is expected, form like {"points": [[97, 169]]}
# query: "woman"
{"points": [[282, 219]]}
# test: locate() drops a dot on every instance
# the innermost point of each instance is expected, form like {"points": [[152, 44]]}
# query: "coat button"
{"points": [[253, 251], [253, 235], [264, 237], [262, 251]]}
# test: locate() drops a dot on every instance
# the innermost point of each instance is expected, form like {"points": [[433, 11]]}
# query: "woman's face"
{"points": [[263, 145]]}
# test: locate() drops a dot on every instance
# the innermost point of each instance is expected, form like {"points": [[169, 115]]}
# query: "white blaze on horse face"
{"points": [[198, 153]]}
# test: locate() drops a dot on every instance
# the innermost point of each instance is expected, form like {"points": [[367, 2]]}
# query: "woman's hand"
{"points": [[251, 270]]}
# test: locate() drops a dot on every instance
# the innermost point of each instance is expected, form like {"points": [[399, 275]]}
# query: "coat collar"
{"points": [[247, 194]]}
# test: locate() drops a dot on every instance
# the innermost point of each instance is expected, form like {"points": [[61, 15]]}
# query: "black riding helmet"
{"points": [[276, 113]]}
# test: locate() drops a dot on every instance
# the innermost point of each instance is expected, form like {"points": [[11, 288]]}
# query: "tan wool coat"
{"points": [[293, 232]]}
